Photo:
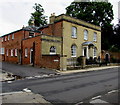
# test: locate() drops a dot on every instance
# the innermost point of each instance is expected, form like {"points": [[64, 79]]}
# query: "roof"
{"points": [[88, 43]]}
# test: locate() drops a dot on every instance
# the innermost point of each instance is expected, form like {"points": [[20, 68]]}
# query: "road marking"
{"points": [[27, 90], [96, 97], [113, 91], [79, 103], [98, 101], [10, 93]]}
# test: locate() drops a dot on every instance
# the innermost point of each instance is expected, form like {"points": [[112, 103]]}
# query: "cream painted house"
{"points": [[78, 38]]}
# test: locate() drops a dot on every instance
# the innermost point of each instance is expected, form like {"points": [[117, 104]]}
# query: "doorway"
{"points": [[31, 56]]}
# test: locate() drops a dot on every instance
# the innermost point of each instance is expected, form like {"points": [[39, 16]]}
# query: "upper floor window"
{"points": [[73, 51], [52, 50], [12, 36], [2, 39], [31, 34], [8, 37], [5, 38], [26, 52], [2, 51], [95, 37], [85, 35], [74, 32]]}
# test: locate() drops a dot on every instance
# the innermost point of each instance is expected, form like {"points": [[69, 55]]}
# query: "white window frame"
{"points": [[74, 32], [11, 52], [16, 52], [31, 34], [5, 39], [8, 37], [52, 50], [2, 50], [95, 37], [85, 34], [26, 52], [12, 36], [7, 52], [73, 51]]}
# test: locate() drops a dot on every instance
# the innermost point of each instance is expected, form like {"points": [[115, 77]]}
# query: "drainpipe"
{"points": [[33, 53]]}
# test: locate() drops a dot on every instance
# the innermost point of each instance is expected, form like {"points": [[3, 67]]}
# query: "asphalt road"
{"points": [[72, 88]]}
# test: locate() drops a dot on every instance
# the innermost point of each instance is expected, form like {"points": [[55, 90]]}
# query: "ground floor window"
{"points": [[15, 52], [26, 52], [2, 51], [52, 50], [11, 52], [95, 52], [73, 51]]}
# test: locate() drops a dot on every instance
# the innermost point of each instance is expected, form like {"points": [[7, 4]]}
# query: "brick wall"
{"points": [[50, 61], [29, 44], [53, 29]]}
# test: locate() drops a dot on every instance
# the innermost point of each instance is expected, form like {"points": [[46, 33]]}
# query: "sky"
{"points": [[14, 14]]}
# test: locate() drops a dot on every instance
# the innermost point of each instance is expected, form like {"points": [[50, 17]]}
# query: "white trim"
{"points": [[15, 52], [11, 52], [26, 52]]}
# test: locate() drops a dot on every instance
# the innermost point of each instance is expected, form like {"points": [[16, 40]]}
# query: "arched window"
{"points": [[74, 32], [52, 50], [73, 51], [95, 37], [85, 35]]}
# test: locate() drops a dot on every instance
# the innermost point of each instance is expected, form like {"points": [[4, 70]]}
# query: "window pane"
{"points": [[74, 32], [85, 35], [52, 50], [95, 36], [73, 51], [26, 52]]}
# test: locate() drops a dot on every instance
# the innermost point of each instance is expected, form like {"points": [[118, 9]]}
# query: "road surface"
{"points": [[72, 88]]}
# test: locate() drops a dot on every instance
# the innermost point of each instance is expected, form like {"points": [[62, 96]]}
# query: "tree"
{"points": [[38, 16], [98, 13]]}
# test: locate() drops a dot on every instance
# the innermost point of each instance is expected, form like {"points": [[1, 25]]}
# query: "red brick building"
{"points": [[51, 46]]}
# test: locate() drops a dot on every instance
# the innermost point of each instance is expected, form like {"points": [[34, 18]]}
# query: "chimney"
{"points": [[52, 18]]}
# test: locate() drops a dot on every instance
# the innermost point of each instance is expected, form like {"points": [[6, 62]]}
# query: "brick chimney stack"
{"points": [[52, 18]]}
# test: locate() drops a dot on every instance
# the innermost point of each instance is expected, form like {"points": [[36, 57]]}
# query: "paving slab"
{"points": [[23, 97]]}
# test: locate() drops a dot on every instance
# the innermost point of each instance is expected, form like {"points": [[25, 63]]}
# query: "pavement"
{"points": [[11, 71], [23, 97], [86, 70], [25, 71]]}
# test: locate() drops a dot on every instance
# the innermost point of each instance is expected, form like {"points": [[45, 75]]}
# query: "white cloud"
{"points": [[16, 13]]}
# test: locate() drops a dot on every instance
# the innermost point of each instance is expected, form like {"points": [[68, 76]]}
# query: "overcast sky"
{"points": [[16, 13]]}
